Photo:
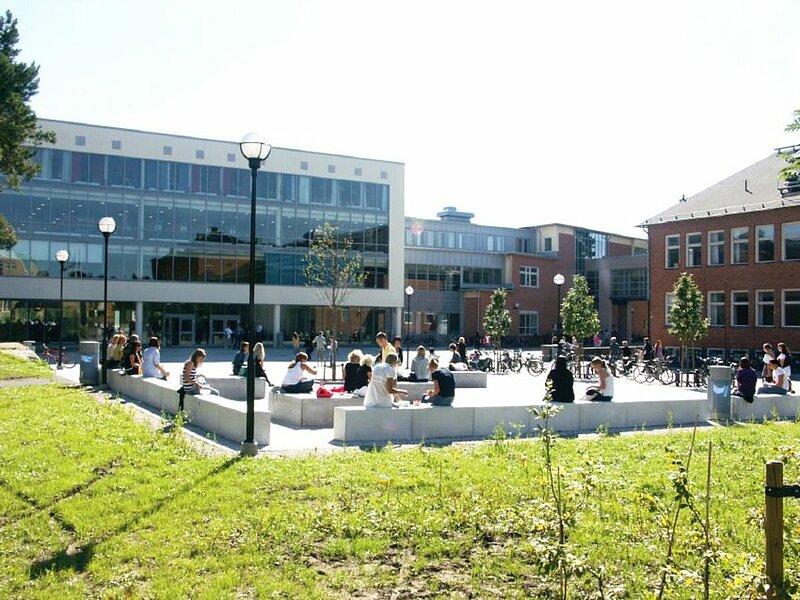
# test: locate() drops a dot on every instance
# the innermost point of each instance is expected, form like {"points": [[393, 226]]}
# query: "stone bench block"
{"points": [[235, 387], [306, 410], [434, 422], [487, 418], [469, 379], [415, 389], [595, 414], [360, 424], [765, 405]]}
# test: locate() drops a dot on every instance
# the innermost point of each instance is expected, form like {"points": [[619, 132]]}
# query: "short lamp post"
{"points": [[409, 293], [255, 150], [106, 226], [62, 256], [558, 279]]}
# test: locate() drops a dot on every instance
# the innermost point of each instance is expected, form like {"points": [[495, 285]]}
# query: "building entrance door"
{"points": [[179, 330], [218, 323]]}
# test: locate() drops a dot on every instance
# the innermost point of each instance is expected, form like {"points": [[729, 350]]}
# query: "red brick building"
{"points": [[740, 239]]}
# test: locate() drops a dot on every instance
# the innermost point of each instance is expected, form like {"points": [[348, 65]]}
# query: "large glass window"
{"points": [[528, 323], [740, 242], [694, 250], [716, 248], [765, 308], [791, 241], [673, 251], [629, 283], [740, 309], [765, 238], [791, 308], [529, 276], [716, 309], [669, 300]]}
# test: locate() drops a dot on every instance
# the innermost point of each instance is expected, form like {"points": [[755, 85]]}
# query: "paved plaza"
{"points": [[512, 389]]}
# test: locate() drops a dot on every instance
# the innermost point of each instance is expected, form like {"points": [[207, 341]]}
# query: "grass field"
{"points": [[14, 367], [94, 504]]}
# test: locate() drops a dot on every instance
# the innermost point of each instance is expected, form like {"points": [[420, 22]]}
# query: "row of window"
{"points": [[168, 176], [740, 315], [764, 246], [416, 236], [449, 278]]}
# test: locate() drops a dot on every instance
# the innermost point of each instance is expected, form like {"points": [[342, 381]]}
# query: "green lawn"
{"points": [[13, 367], [93, 504]]}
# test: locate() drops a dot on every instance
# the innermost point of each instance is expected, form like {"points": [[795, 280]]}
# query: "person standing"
{"points": [[295, 342], [385, 348], [461, 346], [319, 346], [785, 360], [647, 350], [769, 354], [228, 336], [398, 348]]}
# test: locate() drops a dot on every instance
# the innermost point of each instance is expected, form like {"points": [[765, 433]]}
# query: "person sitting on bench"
{"points": [[383, 387], [295, 382], [240, 358], [444, 386], [193, 382]]}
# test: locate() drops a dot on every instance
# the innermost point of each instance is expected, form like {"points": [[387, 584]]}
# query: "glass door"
{"points": [[179, 330]]}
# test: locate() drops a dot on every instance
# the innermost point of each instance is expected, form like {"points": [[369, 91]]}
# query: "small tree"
{"points": [[497, 321], [8, 237], [791, 172], [19, 130], [334, 269], [578, 313], [686, 316]]}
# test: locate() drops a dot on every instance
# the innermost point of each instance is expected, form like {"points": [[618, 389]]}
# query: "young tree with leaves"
{"points": [[791, 172], [497, 321], [687, 320], [333, 268], [578, 313], [20, 132]]}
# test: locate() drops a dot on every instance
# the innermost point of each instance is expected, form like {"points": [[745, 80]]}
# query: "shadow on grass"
{"points": [[77, 559]]}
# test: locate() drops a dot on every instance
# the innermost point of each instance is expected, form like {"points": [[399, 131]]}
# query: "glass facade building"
{"points": [[182, 208]]}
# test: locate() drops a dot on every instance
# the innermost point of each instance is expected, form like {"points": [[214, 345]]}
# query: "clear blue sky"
{"points": [[599, 114]]}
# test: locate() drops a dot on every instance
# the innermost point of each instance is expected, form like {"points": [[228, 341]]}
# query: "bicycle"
{"points": [[534, 366], [50, 356]]}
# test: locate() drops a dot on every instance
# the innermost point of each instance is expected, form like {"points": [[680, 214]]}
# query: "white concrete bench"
{"points": [[217, 414], [469, 379], [355, 424], [765, 406], [306, 410]]}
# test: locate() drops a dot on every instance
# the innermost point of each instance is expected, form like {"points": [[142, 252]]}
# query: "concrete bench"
{"points": [[765, 406], [217, 414], [355, 424], [470, 379], [306, 410]]}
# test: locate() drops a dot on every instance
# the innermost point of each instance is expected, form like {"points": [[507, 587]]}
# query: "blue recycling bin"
{"points": [[90, 363]]}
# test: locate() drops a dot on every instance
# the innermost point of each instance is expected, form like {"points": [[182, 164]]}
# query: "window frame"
{"points": [[716, 305], [735, 243], [669, 300], [698, 246], [758, 243], [528, 313], [783, 307], [783, 241], [667, 248], [759, 304], [734, 304], [525, 272], [713, 245]]}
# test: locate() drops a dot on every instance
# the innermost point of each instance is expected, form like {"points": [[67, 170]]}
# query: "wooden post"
{"points": [[773, 525]]}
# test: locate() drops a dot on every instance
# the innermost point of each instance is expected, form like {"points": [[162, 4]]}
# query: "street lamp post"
{"points": [[106, 226], [255, 150], [409, 292], [558, 279], [62, 256]]}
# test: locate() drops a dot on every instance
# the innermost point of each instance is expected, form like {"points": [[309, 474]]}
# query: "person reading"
{"points": [[444, 386]]}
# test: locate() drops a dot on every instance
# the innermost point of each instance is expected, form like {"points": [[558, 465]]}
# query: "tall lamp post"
{"points": [[62, 256], [255, 150], [409, 292], [558, 279], [106, 226]]}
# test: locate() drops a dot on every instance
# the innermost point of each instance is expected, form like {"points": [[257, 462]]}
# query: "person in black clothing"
{"points": [[560, 381], [240, 358], [398, 349], [627, 356], [444, 386], [351, 371], [746, 379], [461, 346], [647, 350]]}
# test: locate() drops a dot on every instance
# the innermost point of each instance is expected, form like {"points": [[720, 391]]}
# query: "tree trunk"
{"points": [[334, 342]]}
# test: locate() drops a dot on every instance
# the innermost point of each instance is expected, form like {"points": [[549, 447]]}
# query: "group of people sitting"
{"points": [[242, 356], [776, 374], [375, 378], [127, 355], [560, 382]]}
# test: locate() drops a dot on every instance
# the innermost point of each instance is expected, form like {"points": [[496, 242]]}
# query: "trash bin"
{"points": [[549, 352], [719, 392], [30, 344], [90, 363]]}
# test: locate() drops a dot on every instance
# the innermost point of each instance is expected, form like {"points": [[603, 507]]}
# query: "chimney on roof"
{"points": [[683, 198], [453, 215]]}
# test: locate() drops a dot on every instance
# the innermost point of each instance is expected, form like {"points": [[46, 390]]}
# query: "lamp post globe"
{"points": [[255, 149], [62, 256], [106, 226], [558, 279], [409, 292]]}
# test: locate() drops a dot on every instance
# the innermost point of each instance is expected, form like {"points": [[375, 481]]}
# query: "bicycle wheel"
{"points": [[516, 365], [535, 367], [67, 360], [502, 367], [667, 376]]}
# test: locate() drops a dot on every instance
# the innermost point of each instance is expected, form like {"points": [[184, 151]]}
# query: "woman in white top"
{"points": [[151, 360], [605, 390], [785, 362], [419, 366], [383, 386], [780, 380], [295, 382]]}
